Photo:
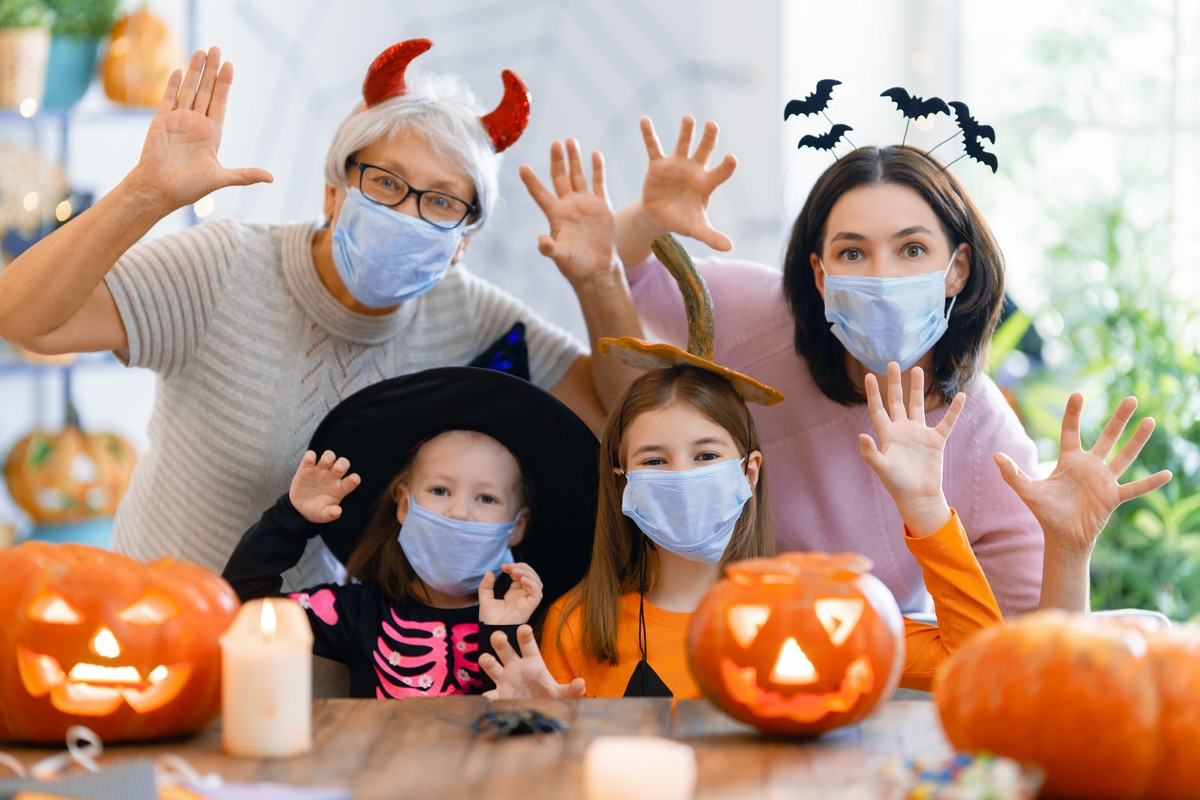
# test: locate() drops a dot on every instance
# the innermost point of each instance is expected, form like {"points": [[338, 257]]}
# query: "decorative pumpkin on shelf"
{"points": [[92, 637], [1106, 710], [798, 644], [141, 56], [69, 475]]}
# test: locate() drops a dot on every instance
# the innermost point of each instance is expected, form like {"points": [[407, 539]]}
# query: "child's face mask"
{"points": [[690, 513], [385, 257], [451, 555]]}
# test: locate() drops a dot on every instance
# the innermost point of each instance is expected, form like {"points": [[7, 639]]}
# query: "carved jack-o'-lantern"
{"points": [[69, 475], [92, 637], [797, 644], [1106, 710]]}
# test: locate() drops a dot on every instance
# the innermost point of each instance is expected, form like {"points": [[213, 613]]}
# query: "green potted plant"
{"points": [[24, 47], [79, 28]]}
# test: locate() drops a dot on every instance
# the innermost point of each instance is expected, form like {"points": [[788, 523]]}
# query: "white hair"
{"points": [[442, 110]]}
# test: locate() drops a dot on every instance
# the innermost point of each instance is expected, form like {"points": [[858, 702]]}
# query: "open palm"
{"points": [[179, 160], [908, 458], [678, 186], [320, 485], [582, 239], [1075, 502]]}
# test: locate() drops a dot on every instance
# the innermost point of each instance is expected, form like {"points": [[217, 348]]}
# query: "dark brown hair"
{"points": [[380, 559], [958, 354], [618, 550]]}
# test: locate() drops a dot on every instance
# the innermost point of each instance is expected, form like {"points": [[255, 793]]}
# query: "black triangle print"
{"points": [[644, 682]]}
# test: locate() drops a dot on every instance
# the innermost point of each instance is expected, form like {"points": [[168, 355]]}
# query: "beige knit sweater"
{"points": [[251, 353]]}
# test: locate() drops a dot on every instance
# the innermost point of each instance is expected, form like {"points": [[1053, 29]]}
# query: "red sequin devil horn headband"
{"points": [[385, 80]]}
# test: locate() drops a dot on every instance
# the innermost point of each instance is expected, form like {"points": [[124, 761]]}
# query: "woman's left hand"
{"points": [[1074, 503], [908, 458], [582, 239], [518, 603]]}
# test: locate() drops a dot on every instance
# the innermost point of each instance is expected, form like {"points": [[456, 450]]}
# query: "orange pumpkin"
{"points": [[797, 644], [69, 475], [91, 637], [141, 56], [1106, 710]]}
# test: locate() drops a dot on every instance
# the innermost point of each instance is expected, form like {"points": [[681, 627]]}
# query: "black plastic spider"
{"points": [[516, 722]]}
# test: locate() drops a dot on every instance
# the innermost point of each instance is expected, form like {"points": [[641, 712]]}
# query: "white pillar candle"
{"points": [[638, 768], [266, 681]]}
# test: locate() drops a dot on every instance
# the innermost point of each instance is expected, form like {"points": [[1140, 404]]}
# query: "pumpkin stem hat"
{"points": [[379, 428], [697, 301]]}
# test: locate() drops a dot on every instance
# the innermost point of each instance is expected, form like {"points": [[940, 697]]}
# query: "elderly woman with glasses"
{"points": [[257, 330]]}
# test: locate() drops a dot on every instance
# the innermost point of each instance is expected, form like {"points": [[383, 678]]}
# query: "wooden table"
{"points": [[425, 748]]}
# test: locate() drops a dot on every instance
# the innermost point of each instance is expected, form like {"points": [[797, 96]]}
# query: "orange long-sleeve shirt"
{"points": [[962, 598]]}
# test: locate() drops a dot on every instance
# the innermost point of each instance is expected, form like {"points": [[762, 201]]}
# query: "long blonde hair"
{"points": [[618, 549]]}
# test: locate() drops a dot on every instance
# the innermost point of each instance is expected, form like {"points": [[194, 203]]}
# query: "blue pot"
{"points": [[96, 532], [70, 70]]}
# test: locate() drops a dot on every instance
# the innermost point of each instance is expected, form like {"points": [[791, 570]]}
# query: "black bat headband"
{"points": [[911, 107], [816, 103]]}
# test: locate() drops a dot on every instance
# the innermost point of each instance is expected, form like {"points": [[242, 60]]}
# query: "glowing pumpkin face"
{"points": [[798, 644], [69, 475], [89, 636]]}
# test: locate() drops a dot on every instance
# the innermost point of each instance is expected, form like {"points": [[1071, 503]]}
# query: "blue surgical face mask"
{"points": [[385, 257], [451, 555], [691, 513], [888, 319]]}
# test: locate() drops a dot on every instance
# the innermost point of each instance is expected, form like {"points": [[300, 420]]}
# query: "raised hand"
{"points": [[677, 187], [519, 601], [908, 458], [179, 164], [319, 486], [1074, 503], [582, 233], [524, 676]]}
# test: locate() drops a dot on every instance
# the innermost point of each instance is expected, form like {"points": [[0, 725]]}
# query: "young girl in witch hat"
{"points": [[469, 485], [683, 493]]}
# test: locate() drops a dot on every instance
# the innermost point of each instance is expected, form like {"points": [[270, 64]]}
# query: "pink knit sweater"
{"points": [[823, 495]]}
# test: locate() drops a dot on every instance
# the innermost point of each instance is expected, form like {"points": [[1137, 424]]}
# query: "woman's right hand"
{"points": [[179, 164], [320, 485], [524, 676]]}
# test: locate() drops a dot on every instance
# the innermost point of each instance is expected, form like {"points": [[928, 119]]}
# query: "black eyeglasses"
{"points": [[388, 189]]}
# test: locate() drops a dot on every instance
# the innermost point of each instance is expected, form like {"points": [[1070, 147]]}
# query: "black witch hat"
{"points": [[379, 427]]}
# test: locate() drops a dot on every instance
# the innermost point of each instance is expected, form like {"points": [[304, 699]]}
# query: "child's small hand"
{"points": [[678, 187], [909, 457], [319, 486], [524, 676], [582, 239], [1073, 504], [518, 602]]}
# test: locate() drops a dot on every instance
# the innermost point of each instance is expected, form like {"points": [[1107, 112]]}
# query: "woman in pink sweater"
{"points": [[889, 260]]}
